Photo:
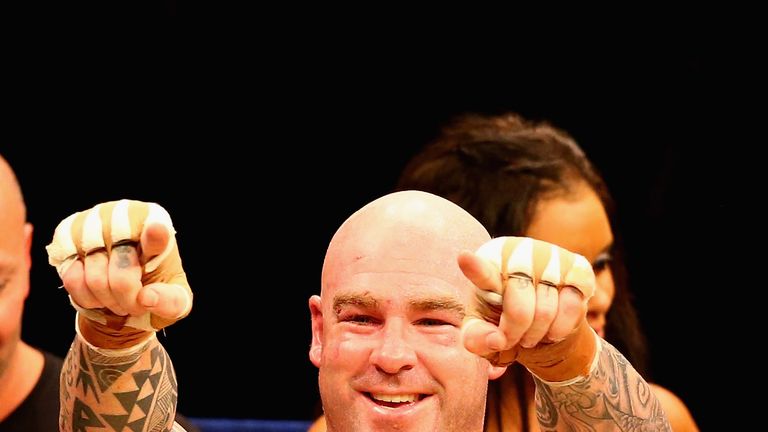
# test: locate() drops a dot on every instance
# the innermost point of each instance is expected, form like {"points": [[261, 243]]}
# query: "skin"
{"points": [[20, 364], [388, 321]]}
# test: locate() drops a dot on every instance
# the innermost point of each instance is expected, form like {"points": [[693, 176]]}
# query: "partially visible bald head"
{"points": [[12, 209], [409, 231]]}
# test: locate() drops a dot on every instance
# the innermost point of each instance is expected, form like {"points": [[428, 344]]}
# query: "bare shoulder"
{"points": [[680, 418]]}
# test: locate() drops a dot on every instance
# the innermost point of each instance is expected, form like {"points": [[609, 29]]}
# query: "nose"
{"points": [[598, 308], [597, 322], [601, 302], [394, 352]]}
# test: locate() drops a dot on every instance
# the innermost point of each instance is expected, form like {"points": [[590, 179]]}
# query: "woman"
{"points": [[527, 179]]}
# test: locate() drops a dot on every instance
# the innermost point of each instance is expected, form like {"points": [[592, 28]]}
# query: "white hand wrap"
{"points": [[517, 255], [62, 251], [142, 322], [111, 352]]}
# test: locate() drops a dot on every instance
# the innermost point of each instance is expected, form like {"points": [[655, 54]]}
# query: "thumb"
{"points": [[481, 337], [167, 302]]}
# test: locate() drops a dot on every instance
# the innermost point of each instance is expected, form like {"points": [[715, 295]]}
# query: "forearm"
{"points": [[613, 397], [113, 390]]}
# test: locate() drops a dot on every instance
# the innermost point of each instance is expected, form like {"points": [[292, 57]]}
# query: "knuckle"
{"points": [[518, 313], [545, 313], [72, 280], [96, 281]]}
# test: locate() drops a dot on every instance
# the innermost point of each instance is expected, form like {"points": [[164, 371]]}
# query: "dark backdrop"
{"points": [[259, 168]]}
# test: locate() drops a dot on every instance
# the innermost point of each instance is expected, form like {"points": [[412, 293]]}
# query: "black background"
{"points": [[259, 165]]}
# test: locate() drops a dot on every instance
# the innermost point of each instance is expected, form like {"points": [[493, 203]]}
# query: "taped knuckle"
{"points": [[545, 313], [518, 315], [123, 283], [572, 304], [97, 281], [581, 276]]}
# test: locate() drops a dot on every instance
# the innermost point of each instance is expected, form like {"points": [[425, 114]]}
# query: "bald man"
{"points": [[29, 379], [410, 326]]}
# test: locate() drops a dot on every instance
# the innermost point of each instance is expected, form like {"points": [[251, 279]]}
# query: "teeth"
{"points": [[395, 398]]}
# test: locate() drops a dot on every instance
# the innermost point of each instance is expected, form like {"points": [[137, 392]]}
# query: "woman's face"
{"points": [[579, 223]]}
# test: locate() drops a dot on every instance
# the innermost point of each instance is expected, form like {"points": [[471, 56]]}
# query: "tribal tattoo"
{"points": [[612, 398], [135, 392]]}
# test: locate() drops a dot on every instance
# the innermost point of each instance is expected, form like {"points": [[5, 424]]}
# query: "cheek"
{"points": [[10, 318], [444, 355], [445, 340], [605, 285], [347, 348], [463, 376], [350, 349]]}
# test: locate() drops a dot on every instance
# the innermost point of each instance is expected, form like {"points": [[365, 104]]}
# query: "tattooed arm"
{"points": [[531, 308], [134, 390], [121, 266], [613, 397]]}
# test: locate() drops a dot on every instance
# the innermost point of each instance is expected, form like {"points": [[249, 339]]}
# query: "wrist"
{"points": [[109, 335], [571, 358]]}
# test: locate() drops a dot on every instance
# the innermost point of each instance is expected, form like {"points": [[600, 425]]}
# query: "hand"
{"points": [[531, 296], [121, 259]]}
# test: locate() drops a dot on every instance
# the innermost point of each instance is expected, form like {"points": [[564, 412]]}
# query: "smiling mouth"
{"points": [[395, 401]]}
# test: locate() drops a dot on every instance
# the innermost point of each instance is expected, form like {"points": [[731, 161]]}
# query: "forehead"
{"points": [[396, 264], [578, 223]]}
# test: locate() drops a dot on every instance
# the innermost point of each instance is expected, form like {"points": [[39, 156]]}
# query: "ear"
{"points": [[28, 245], [495, 371], [316, 349]]}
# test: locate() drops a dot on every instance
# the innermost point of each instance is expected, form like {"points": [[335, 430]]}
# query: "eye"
{"points": [[432, 322], [365, 320], [601, 262]]}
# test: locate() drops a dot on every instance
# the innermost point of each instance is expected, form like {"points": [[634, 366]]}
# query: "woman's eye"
{"points": [[601, 262]]}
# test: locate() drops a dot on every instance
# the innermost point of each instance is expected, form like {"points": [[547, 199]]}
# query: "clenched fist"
{"points": [[531, 306], [121, 267]]}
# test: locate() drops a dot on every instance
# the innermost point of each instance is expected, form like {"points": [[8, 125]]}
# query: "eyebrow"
{"points": [[606, 250], [438, 304], [364, 301]]}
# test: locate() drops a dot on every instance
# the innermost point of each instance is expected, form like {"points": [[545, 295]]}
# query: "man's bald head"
{"points": [[404, 230]]}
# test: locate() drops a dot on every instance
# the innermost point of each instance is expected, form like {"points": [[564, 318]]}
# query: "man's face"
{"points": [[387, 338], [14, 284]]}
